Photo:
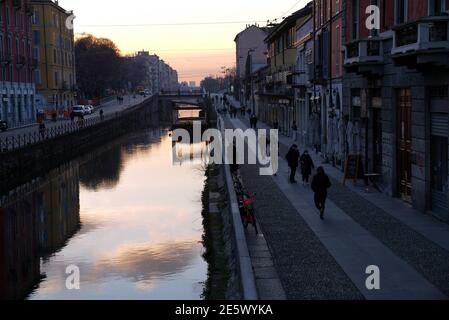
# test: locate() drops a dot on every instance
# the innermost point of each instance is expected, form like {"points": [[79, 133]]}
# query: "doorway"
{"points": [[404, 144]]}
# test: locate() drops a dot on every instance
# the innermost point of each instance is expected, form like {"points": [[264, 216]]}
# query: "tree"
{"points": [[98, 64]]}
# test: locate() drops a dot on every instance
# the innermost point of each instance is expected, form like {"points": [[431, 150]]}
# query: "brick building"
{"points": [[396, 95]]}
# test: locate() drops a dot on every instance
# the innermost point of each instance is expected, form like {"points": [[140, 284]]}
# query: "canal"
{"points": [[126, 216]]}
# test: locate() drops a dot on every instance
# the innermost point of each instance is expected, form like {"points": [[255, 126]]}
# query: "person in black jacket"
{"points": [[320, 184], [306, 167], [293, 161]]}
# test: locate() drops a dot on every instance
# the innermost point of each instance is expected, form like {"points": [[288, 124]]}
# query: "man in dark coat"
{"points": [[306, 167], [293, 161], [320, 184]]}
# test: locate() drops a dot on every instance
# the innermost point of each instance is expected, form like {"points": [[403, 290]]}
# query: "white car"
{"points": [[87, 110], [78, 111], [91, 108]]}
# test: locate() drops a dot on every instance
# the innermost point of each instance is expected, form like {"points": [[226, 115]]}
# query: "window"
{"points": [[436, 7], [8, 18], [355, 19], [375, 32], [36, 53], [401, 9], [56, 78], [36, 38], [337, 51], [54, 56], [36, 17]]}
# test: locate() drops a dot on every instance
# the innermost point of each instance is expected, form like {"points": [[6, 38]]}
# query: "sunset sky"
{"points": [[165, 28]]}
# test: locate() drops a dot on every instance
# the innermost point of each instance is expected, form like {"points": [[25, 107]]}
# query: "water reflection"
{"points": [[35, 221], [123, 214]]}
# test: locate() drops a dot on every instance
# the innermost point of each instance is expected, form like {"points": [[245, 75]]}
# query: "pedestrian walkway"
{"points": [[357, 233]]}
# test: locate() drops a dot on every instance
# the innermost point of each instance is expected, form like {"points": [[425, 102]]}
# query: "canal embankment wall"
{"points": [[34, 157]]}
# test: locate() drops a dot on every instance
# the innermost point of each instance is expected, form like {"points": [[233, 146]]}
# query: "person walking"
{"points": [[320, 185], [293, 161], [255, 120], [295, 131], [306, 167], [101, 114]]}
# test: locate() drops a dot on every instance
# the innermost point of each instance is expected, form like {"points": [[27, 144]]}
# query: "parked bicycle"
{"points": [[246, 205]]}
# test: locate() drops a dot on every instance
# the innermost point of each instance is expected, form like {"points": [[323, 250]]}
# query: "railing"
{"points": [[364, 51], [352, 50], [10, 142], [373, 48], [182, 93], [407, 35], [422, 34]]}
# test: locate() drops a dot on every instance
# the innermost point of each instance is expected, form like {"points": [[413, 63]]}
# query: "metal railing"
{"points": [[14, 142]]}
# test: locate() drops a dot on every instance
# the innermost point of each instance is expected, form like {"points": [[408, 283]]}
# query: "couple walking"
{"points": [[295, 159], [320, 182]]}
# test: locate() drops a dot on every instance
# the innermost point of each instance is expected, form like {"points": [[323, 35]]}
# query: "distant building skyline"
{"points": [[196, 37]]}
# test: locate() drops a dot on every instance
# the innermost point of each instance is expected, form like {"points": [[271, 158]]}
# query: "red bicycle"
{"points": [[247, 211]]}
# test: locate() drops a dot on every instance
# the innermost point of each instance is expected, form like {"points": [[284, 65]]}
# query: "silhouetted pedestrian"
{"points": [[294, 131], [293, 161], [320, 185], [306, 167]]}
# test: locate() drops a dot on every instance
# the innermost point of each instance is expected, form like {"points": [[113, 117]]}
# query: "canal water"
{"points": [[127, 216]]}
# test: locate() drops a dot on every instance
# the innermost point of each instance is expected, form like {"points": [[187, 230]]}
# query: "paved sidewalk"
{"points": [[365, 229]]}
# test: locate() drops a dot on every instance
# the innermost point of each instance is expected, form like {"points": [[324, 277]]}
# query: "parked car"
{"points": [[78, 111], [87, 110], [91, 108], [3, 125]]}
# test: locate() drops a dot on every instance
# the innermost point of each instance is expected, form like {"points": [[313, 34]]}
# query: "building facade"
{"points": [[160, 76], [17, 63], [53, 47], [396, 97], [250, 49], [277, 102], [328, 77]]}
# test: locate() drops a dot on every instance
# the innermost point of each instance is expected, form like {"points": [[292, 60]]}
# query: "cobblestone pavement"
{"points": [[306, 268], [426, 257]]}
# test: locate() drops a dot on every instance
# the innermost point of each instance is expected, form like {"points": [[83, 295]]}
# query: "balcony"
{"points": [[5, 58], [364, 56], [20, 61], [318, 74], [300, 79], [422, 43]]}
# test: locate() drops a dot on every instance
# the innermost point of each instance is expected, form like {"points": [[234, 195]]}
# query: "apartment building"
{"points": [[17, 63], [53, 47], [396, 96], [277, 102]]}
